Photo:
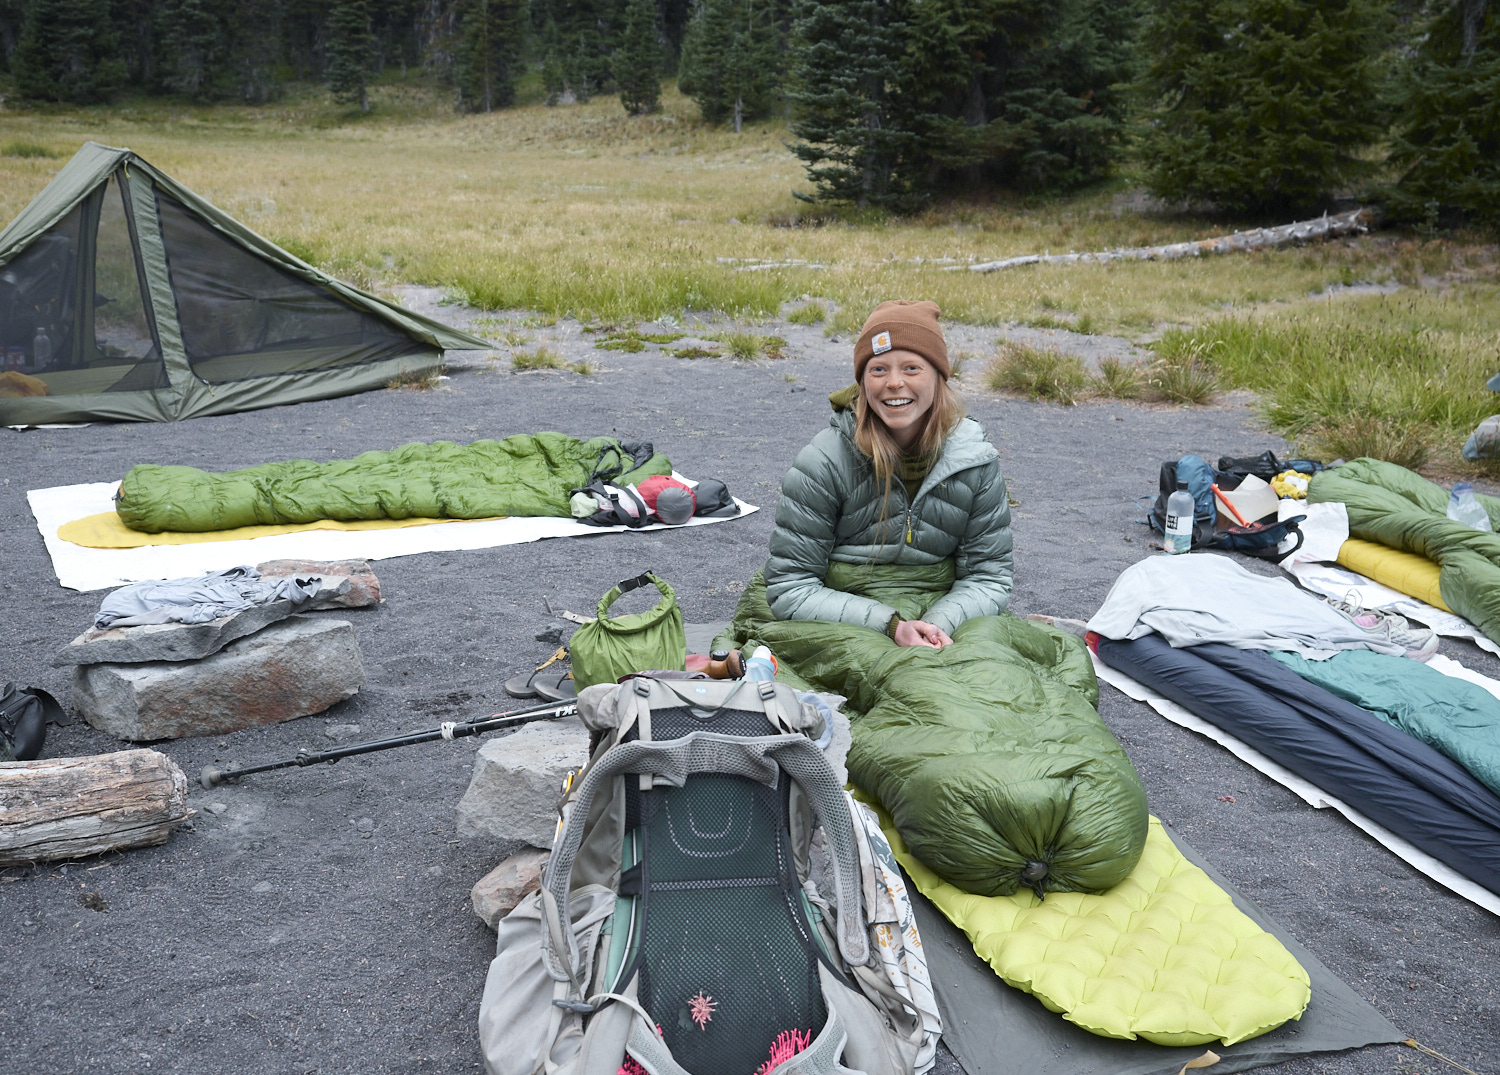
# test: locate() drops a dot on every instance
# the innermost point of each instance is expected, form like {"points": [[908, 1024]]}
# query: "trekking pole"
{"points": [[212, 778]]}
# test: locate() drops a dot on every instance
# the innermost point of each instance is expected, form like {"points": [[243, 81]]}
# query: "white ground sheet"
{"points": [[81, 568], [1341, 584], [1314, 796]]}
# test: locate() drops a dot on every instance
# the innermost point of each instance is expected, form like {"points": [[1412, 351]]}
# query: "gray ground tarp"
{"points": [[995, 1030]]}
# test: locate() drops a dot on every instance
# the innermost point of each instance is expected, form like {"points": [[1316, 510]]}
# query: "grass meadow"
{"points": [[585, 212]]}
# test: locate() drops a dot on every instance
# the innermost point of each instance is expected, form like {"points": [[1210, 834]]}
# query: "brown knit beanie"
{"points": [[903, 325]]}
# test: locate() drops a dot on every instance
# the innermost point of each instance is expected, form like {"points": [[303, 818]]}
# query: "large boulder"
{"points": [[518, 782], [299, 666]]}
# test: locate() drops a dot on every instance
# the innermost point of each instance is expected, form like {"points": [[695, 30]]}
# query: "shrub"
{"points": [[542, 359], [19, 147], [1037, 374], [1119, 380]]}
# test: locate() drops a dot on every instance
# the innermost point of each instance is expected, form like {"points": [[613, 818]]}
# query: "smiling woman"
{"points": [[901, 477]]}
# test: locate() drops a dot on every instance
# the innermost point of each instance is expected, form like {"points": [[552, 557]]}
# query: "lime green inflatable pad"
{"points": [[1164, 955]]}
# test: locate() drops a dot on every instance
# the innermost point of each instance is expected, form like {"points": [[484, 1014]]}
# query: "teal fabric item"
{"points": [[832, 512], [524, 475], [1458, 718], [988, 754]]}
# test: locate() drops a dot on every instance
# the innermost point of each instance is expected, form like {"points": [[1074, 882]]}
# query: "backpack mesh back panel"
{"points": [[727, 961]]}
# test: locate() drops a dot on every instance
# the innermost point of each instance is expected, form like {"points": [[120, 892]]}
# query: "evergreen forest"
{"points": [[1248, 106]]}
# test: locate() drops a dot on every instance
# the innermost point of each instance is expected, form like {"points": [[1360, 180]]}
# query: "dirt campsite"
{"points": [[650, 279]]}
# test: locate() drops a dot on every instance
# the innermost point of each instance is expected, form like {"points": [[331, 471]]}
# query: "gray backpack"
{"points": [[713, 905]]}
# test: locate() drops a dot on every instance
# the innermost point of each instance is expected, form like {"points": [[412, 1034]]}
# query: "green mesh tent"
{"points": [[125, 296]]}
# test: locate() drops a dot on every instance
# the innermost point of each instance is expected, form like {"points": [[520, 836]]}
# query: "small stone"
{"points": [[517, 782], [365, 824], [497, 892], [262, 886], [364, 587], [434, 871], [341, 731], [1401, 963], [290, 669], [216, 808]]}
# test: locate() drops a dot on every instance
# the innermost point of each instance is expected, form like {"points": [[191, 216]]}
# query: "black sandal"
{"points": [[525, 685]]}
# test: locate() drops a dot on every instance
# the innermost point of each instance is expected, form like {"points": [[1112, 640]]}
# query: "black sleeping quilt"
{"points": [[1386, 774]]}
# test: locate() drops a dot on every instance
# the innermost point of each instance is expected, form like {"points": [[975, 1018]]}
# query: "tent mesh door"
{"points": [[73, 309], [243, 317]]}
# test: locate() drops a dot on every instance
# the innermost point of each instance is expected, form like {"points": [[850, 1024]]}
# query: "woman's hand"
{"points": [[920, 633]]}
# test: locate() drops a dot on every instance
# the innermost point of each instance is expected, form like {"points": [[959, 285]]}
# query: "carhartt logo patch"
{"points": [[881, 342]]}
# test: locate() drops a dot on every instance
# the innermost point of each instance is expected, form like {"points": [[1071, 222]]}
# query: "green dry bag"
{"points": [[606, 649]]}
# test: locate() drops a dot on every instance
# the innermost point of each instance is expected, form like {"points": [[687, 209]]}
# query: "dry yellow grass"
{"points": [[584, 211]]}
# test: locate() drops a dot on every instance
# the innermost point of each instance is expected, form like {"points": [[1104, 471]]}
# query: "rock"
{"points": [[216, 808], [188, 641], [169, 641], [262, 886], [497, 892], [340, 732], [290, 669], [364, 587], [517, 782]]}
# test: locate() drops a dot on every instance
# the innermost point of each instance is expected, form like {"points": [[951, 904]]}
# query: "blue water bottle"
{"points": [[761, 665]]}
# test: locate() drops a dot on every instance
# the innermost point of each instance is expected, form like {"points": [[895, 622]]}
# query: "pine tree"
{"points": [[1448, 121], [68, 51], [1020, 94], [351, 53], [732, 59], [490, 41], [1261, 105], [853, 145], [189, 39], [586, 32], [636, 63]]}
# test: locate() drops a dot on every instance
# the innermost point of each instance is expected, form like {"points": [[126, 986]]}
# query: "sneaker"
{"points": [[1420, 643]]}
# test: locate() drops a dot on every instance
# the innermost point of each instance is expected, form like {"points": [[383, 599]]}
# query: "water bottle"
{"points": [[761, 665], [41, 349], [1463, 508], [1180, 511]]}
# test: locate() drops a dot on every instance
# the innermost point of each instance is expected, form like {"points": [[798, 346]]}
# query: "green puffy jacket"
{"points": [[1392, 506], [528, 474], [831, 513]]}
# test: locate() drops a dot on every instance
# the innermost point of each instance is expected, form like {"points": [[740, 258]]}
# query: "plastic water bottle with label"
{"points": [[1463, 508], [1180, 510]]}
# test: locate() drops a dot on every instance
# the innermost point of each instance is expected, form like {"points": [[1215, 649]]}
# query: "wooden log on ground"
{"points": [[1354, 222], [67, 808]]}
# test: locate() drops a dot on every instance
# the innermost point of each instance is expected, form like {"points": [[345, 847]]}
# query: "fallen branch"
{"points": [[1354, 222], [66, 808]]}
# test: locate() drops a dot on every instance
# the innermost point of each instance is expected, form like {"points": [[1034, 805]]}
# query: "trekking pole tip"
{"points": [[211, 777]]}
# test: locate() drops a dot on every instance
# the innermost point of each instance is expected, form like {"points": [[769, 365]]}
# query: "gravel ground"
{"points": [[321, 922]]}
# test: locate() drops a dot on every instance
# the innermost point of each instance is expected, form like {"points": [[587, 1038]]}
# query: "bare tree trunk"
{"points": [[1473, 15], [739, 112], [66, 808]]}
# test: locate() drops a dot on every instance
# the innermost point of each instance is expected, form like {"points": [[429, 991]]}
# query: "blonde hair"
{"points": [[873, 438]]}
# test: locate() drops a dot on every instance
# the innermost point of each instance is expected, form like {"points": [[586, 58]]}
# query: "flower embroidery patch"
{"points": [[701, 1009]]}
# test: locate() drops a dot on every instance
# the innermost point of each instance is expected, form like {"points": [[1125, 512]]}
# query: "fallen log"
{"points": [[1354, 222], [67, 808]]}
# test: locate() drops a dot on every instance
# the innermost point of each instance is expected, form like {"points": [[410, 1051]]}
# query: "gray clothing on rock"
{"points": [[201, 598], [832, 509], [1201, 598]]}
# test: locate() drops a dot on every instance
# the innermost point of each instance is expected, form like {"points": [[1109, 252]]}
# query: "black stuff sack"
{"points": [[1262, 540], [714, 501], [24, 714]]}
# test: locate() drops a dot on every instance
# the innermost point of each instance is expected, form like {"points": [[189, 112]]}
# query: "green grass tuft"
{"points": [[20, 147], [1119, 380], [808, 314], [543, 358], [1182, 377], [1037, 374]]}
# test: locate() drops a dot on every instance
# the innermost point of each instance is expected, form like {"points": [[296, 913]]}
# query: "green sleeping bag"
{"points": [[528, 474], [988, 754], [1401, 510]]}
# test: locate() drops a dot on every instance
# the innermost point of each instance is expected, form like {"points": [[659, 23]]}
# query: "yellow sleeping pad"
{"points": [[1164, 955], [1416, 576], [106, 531]]}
